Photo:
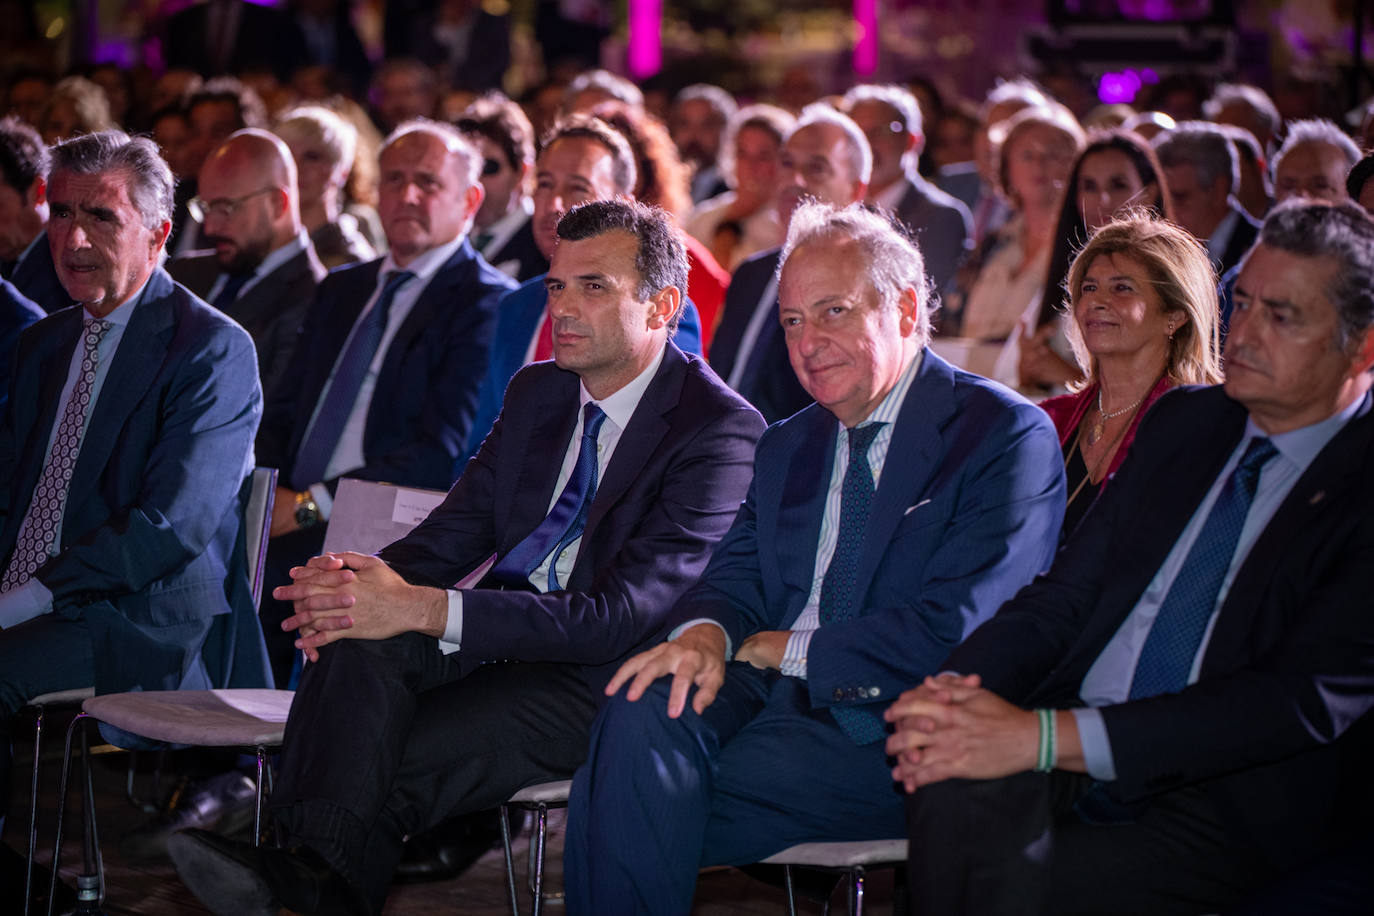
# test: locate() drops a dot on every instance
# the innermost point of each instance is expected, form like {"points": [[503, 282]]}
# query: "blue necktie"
{"points": [[229, 293], [839, 600], [1167, 657], [318, 447], [565, 520]]}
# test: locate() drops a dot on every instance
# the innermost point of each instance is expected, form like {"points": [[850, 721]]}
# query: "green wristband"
{"points": [[1047, 752]]}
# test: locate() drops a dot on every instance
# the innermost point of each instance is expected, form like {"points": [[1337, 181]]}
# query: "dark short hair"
{"points": [[23, 155], [586, 127], [503, 123], [150, 186], [247, 103], [1342, 231], [661, 259]]}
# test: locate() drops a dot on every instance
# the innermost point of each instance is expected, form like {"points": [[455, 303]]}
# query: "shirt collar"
{"points": [[283, 254], [620, 406], [891, 404], [125, 309], [426, 265], [1220, 238], [1302, 445], [892, 195]]}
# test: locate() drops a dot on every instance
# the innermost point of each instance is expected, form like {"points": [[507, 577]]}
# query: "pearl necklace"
{"points": [[1100, 427]]}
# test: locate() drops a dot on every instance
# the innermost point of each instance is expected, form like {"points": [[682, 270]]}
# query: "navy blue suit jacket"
{"points": [[967, 511], [36, 277], [770, 383], [519, 315], [16, 314], [1271, 730], [152, 550], [673, 485], [426, 394]]}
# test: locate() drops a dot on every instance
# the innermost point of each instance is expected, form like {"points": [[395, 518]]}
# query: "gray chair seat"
{"points": [[842, 855], [204, 718]]}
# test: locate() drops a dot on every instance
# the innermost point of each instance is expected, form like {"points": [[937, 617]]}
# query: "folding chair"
{"points": [[539, 799], [849, 858]]}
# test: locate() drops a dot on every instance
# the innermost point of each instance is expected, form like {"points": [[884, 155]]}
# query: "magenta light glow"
{"points": [[645, 23], [866, 37]]}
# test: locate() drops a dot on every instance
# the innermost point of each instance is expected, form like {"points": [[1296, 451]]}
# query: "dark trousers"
{"points": [[1016, 846], [386, 739], [758, 771], [38, 656]]}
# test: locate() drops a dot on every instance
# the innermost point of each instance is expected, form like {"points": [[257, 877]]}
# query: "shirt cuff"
{"points": [[1097, 749], [323, 499], [679, 630], [451, 641], [794, 656], [30, 600]]}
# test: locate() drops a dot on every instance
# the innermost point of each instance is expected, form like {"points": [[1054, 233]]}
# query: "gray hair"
{"points": [[661, 258], [1252, 97], [150, 180], [1343, 232], [721, 102], [617, 87], [1317, 130], [770, 119], [860, 155], [894, 97], [1020, 90], [320, 125], [892, 261], [1204, 146], [458, 145]]}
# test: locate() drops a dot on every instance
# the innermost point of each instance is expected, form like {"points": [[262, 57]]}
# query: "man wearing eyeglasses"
{"points": [[261, 270], [503, 230]]}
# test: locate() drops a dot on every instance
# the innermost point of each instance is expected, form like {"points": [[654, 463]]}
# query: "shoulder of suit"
{"points": [[701, 385]]}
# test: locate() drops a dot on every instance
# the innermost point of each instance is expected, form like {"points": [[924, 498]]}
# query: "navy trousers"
{"points": [[760, 770]]}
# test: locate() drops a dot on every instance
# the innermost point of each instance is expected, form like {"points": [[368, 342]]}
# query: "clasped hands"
{"points": [[950, 727], [354, 596]]}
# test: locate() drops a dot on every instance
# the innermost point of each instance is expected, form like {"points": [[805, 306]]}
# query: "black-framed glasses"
{"points": [[223, 207]]}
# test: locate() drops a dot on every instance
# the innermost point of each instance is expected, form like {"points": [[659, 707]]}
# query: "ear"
{"points": [[908, 320], [38, 192], [916, 143], [1177, 318], [160, 234], [1364, 358], [860, 191], [662, 306], [473, 198]]}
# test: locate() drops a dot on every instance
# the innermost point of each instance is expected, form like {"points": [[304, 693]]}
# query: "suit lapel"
{"points": [[803, 496], [257, 307], [541, 459]]}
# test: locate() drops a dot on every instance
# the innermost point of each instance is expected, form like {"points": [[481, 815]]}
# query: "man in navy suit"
{"points": [[24, 251], [383, 383], [844, 574], [826, 158], [1178, 712], [16, 314], [127, 441], [599, 494]]}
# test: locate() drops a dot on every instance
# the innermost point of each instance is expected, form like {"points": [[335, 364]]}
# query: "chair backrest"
{"points": [[257, 523]]}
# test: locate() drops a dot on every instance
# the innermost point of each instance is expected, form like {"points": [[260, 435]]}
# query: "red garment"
{"points": [[1068, 410], [706, 282]]}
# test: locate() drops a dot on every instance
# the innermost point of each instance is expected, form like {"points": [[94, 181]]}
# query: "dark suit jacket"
{"points": [[271, 310], [266, 39], [940, 225], [770, 384], [16, 314], [519, 315], [675, 481], [36, 278], [426, 393], [521, 253], [1289, 667], [1246, 231], [967, 511], [152, 552]]}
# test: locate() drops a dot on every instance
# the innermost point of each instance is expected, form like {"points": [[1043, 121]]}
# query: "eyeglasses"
{"points": [[490, 167], [223, 207]]}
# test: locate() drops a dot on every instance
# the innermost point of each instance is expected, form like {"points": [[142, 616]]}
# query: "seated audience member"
{"points": [[1255, 193], [743, 221], [171, 131], [1142, 303], [323, 146], [661, 181], [825, 158], [843, 575], [1171, 717], [24, 217], [582, 159], [215, 110], [76, 106], [26, 95], [124, 448], [608, 478], [1202, 173], [698, 120], [1250, 109], [1115, 172], [590, 89], [262, 271], [403, 89], [1149, 124], [938, 223], [1314, 161], [1358, 185], [504, 226], [16, 314]]}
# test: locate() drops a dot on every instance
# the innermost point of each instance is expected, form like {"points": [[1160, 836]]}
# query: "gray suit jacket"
{"points": [[941, 226], [271, 310]]}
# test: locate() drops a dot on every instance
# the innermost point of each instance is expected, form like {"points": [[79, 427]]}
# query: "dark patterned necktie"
{"points": [[229, 293], [40, 528], [839, 600], [1167, 656], [565, 521]]}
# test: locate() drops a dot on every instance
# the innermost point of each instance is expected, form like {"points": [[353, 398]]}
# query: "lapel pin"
{"points": [[1317, 497]]}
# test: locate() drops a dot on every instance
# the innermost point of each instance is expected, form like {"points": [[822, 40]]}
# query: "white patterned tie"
{"points": [[40, 527]]}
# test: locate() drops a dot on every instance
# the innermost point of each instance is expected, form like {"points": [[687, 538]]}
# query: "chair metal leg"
{"points": [[856, 891], [510, 864], [33, 808], [62, 808], [537, 856], [91, 882], [791, 894]]}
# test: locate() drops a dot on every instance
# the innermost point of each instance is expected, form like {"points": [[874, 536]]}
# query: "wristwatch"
{"points": [[307, 510]]}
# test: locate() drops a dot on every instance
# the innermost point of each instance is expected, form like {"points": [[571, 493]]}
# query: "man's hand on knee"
{"points": [[353, 596], [697, 657]]}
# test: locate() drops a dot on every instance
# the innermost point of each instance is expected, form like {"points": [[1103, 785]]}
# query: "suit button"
{"points": [[839, 694], [873, 692]]}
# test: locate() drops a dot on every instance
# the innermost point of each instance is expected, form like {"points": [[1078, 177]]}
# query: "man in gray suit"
{"points": [[263, 270], [940, 224]]}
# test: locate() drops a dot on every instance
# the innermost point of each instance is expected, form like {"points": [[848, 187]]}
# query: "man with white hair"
{"points": [[825, 158], [842, 577], [1313, 162], [1202, 170]]}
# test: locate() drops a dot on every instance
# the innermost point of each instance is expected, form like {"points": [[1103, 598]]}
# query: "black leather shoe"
{"points": [[12, 886], [224, 803], [447, 850], [233, 878]]}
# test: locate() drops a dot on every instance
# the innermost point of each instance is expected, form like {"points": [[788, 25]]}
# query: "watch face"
{"points": [[307, 514]]}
